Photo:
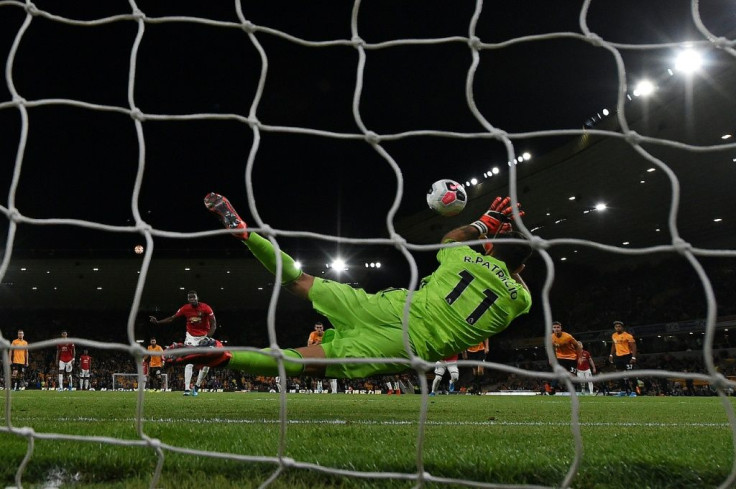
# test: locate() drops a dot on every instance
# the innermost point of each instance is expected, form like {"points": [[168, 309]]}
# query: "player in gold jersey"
{"points": [[623, 355], [567, 350]]}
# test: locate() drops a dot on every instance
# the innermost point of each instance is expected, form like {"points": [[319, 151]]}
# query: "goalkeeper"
{"points": [[468, 298]]}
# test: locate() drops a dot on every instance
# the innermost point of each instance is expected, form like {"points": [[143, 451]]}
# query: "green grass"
{"points": [[664, 442]]}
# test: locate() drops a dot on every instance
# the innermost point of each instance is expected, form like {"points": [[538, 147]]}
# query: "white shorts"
{"points": [[190, 340], [66, 366], [585, 374], [84, 373], [440, 367]]}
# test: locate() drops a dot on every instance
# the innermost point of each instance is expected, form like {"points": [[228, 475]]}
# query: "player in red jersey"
{"points": [[65, 354], [85, 367], [201, 324], [586, 369]]}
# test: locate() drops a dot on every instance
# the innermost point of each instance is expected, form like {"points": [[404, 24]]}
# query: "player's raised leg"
{"points": [[227, 214], [292, 277]]}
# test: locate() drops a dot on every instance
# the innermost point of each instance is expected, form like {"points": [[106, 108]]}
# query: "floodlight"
{"points": [[644, 88], [688, 61]]}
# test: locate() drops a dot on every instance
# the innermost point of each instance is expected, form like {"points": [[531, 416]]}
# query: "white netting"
{"points": [[255, 34]]}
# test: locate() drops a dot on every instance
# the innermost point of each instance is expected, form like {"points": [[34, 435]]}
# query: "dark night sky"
{"points": [[81, 163]]}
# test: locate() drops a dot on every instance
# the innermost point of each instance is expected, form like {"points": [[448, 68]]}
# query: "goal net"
{"points": [[333, 118], [128, 381]]}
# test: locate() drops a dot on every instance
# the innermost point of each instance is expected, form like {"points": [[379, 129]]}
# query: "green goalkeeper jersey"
{"points": [[467, 299]]}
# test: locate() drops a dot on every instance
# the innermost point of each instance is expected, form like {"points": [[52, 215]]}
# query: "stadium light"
{"points": [[688, 61], [644, 88], [526, 155], [298, 265], [339, 265], [601, 207]]}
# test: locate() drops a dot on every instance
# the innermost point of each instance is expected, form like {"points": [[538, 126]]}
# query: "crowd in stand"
{"points": [[640, 297]]}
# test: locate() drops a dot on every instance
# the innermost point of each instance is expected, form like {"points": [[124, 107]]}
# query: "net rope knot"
{"points": [[25, 431], [595, 39], [288, 462], [154, 443], [681, 245], [475, 43], [398, 240], [357, 42], [32, 9], [248, 26], [144, 227], [720, 382], [13, 214], [137, 114], [538, 243], [722, 42], [372, 138], [418, 364], [561, 371], [632, 137]]}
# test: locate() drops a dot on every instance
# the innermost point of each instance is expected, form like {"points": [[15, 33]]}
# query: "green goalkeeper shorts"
{"points": [[366, 326]]}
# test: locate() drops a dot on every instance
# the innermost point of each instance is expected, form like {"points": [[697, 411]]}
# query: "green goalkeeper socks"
{"points": [[260, 364], [263, 250]]}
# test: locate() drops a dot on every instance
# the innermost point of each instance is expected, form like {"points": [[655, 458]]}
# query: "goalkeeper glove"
{"points": [[497, 218], [212, 354]]}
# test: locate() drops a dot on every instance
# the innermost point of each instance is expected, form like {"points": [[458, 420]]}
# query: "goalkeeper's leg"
{"points": [[293, 278], [252, 362]]}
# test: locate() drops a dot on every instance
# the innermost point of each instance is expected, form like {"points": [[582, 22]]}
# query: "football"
{"points": [[447, 197]]}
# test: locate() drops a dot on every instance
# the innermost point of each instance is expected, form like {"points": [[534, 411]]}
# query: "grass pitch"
{"points": [[656, 442]]}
